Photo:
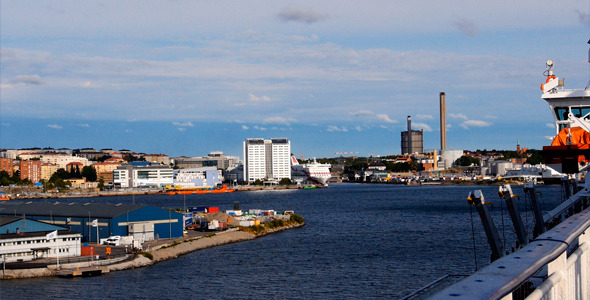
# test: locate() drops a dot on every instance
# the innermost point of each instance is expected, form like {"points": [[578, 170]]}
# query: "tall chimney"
{"points": [[443, 121], [409, 135]]}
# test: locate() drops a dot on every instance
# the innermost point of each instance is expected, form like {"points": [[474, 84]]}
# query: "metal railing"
{"points": [[556, 265]]}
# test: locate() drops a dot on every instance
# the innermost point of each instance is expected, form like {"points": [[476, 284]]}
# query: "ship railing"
{"points": [[556, 265]]}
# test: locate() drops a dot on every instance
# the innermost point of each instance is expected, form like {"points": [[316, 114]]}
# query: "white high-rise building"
{"points": [[267, 159]]}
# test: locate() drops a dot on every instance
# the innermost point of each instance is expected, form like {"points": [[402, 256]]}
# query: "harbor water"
{"points": [[360, 241]]}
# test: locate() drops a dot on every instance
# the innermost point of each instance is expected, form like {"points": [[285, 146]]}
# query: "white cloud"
{"points": [[424, 126], [474, 123], [424, 117], [83, 125], [255, 98], [333, 128], [362, 113], [54, 126], [550, 125], [278, 120], [5, 124], [185, 124], [299, 15], [458, 116], [259, 128], [385, 118], [244, 127], [181, 129]]}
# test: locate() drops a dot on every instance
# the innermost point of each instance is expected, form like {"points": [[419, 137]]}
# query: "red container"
{"points": [[87, 251], [213, 209]]}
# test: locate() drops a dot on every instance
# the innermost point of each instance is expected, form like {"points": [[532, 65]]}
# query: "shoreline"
{"points": [[169, 249]]}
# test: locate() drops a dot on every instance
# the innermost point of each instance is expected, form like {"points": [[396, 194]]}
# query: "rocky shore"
{"points": [[166, 250]]}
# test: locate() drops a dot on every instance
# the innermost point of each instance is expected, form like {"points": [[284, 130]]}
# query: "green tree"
{"points": [[60, 173], [465, 161], [285, 181], [258, 182], [101, 184], [90, 173]]}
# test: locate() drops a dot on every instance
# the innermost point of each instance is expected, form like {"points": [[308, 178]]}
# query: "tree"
{"points": [[90, 173], [60, 173], [258, 182], [285, 181], [466, 161], [100, 184]]}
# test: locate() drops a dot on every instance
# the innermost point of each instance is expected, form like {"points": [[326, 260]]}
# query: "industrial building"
{"points": [[267, 159], [95, 221], [412, 141], [23, 239], [197, 177], [215, 159], [142, 174]]}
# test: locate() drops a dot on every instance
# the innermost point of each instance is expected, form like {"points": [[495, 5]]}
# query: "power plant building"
{"points": [[412, 141]]}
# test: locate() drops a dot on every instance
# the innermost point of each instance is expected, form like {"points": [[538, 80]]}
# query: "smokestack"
{"points": [[409, 135], [443, 121]]}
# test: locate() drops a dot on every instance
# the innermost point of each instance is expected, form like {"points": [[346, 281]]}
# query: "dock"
{"points": [[83, 272]]}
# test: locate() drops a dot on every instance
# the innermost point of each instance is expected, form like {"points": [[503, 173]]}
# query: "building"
{"points": [[6, 165], [267, 159], [197, 177], [143, 222], [30, 169], [23, 239], [161, 159], [215, 159], [412, 141], [63, 160], [47, 170], [142, 175], [416, 142]]}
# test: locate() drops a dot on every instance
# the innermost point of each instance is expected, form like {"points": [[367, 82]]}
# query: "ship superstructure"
{"points": [[570, 148]]}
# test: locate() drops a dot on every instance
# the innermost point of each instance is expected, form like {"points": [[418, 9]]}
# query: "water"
{"points": [[360, 241]]}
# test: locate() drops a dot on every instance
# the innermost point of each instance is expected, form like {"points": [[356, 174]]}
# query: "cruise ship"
{"points": [[312, 172]]}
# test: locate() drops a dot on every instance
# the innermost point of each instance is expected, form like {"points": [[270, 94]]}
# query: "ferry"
{"points": [[314, 172]]}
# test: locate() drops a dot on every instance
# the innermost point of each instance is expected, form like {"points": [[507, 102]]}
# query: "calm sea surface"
{"points": [[360, 241]]}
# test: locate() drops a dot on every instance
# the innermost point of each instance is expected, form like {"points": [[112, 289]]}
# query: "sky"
{"points": [[190, 77]]}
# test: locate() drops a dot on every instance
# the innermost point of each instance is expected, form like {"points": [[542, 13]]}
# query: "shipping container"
{"points": [[213, 209], [87, 251]]}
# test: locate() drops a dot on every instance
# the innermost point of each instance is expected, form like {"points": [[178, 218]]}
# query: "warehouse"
{"points": [[24, 239], [95, 221]]}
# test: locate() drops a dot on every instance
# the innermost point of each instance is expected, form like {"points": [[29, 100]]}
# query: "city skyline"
{"points": [[191, 77]]}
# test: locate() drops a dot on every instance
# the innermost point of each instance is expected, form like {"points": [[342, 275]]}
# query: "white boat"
{"points": [[570, 149], [312, 172]]}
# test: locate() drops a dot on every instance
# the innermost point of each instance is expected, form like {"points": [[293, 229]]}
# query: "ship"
{"points": [[209, 190], [312, 172], [569, 152]]}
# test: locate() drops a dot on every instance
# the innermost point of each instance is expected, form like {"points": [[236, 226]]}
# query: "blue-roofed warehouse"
{"points": [[143, 222]]}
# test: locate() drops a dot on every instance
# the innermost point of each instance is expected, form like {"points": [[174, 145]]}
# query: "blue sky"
{"points": [[190, 77]]}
